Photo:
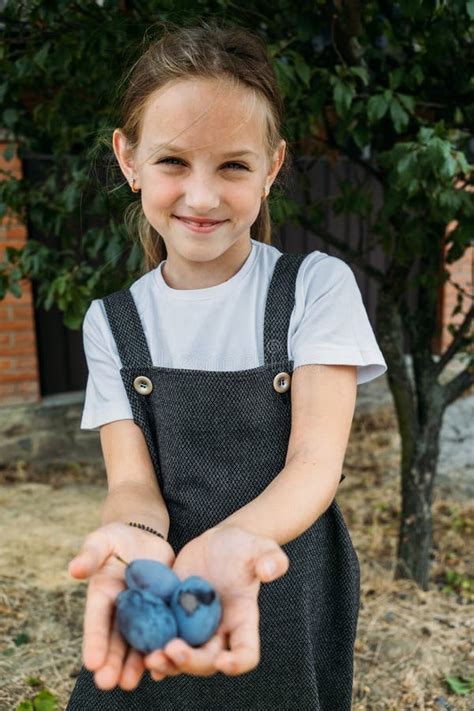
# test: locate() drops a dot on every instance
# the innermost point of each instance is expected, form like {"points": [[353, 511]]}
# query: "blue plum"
{"points": [[145, 620], [197, 609], [152, 576]]}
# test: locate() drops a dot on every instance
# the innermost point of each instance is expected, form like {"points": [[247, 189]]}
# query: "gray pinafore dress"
{"points": [[217, 439]]}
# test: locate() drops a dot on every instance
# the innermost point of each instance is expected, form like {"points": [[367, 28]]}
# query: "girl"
{"points": [[223, 384]]}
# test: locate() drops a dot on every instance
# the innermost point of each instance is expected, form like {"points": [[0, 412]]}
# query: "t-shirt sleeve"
{"points": [[105, 399], [332, 325]]}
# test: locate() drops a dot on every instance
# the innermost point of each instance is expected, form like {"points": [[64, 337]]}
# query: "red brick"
{"points": [[25, 361], [6, 341], [25, 298], [17, 232], [15, 326], [22, 351], [21, 312], [7, 389], [26, 338], [31, 388], [19, 377]]}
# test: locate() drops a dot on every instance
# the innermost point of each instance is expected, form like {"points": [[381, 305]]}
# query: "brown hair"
{"points": [[207, 51]]}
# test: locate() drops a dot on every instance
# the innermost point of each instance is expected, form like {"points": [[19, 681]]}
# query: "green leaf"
{"points": [[409, 102], [302, 69], [10, 117], [15, 289], [417, 73], [25, 705], [9, 152], [376, 108], [21, 638], [361, 135], [470, 9], [41, 56], [459, 685], [45, 701], [362, 73], [398, 114], [448, 168], [343, 94], [396, 77]]}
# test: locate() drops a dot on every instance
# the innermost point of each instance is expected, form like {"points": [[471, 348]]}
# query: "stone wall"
{"points": [[47, 433]]}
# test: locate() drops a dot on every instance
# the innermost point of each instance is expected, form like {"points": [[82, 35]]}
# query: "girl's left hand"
{"points": [[233, 561]]}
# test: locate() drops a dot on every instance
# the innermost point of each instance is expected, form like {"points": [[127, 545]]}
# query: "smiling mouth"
{"points": [[200, 223]]}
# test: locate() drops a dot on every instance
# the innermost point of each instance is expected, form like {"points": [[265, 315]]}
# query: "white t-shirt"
{"points": [[221, 327]]}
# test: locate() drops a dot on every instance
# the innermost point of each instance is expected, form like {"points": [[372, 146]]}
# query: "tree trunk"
{"points": [[419, 406], [416, 530]]}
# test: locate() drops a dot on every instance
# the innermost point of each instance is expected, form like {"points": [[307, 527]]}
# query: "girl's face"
{"points": [[216, 169]]}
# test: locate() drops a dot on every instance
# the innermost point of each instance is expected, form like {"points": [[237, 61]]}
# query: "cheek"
{"points": [[159, 193]]}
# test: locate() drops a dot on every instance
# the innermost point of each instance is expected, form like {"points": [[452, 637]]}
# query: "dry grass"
{"points": [[408, 641]]}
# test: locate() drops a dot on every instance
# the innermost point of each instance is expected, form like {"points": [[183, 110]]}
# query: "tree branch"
{"points": [[458, 385], [455, 344]]}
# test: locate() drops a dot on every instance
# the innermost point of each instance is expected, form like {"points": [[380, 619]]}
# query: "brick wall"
{"points": [[461, 273], [19, 375]]}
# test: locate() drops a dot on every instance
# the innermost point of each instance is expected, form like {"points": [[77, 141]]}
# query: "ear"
{"points": [[278, 158], [123, 153]]}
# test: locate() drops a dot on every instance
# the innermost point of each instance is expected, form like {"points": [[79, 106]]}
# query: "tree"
{"points": [[387, 85]]}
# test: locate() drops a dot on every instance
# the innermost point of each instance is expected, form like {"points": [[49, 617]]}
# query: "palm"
{"points": [[229, 559], [225, 557], [105, 652]]}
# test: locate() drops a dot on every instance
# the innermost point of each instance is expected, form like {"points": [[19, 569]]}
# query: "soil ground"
{"points": [[409, 643]]}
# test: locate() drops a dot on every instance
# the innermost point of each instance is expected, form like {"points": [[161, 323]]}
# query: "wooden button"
{"points": [[143, 385], [281, 382]]}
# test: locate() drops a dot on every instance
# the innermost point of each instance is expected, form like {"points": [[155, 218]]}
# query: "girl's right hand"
{"points": [[104, 650]]}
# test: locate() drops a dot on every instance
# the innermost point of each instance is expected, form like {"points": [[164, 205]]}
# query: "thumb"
{"points": [[82, 566], [95, 550], [272, 565]]}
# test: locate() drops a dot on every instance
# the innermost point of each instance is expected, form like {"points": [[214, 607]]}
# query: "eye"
{"points": [[240, 166]]}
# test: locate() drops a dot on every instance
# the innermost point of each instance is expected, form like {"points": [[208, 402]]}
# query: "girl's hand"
{"points": [[233, 561], [104, 650]]}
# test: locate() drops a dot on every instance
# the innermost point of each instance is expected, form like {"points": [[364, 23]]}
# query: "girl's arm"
{"points": [[134, 493], [322, 407]]}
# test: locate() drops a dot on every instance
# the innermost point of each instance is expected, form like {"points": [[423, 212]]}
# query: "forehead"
{"points": [[204, 113]]}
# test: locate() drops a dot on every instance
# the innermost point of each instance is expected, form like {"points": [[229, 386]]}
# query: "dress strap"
{"points": [[279, 306], [127, 329]]}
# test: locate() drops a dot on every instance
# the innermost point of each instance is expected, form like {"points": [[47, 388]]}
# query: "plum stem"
{"points": [[120, 559]]}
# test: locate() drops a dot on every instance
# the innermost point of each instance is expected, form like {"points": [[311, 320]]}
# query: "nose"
{"points": [[201, 195]]}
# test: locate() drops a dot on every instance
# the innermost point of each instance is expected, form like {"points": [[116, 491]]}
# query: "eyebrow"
{"points": [[178, 149]]}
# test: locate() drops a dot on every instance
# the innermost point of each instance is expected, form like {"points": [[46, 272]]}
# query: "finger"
{"points": [[191, 660], [244, 638], [97, 624], [107, 676], [197, 660], [96, 549], [132, 671], [161, 665]]}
